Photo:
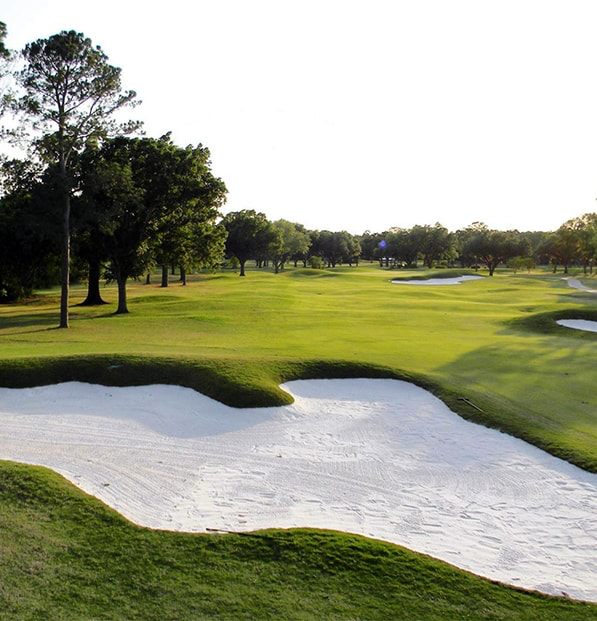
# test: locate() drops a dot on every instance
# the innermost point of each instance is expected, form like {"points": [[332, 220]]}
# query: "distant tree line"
{"points": [[94, 201]]}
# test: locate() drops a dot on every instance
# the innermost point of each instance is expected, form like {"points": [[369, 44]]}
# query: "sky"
{"points": [[362, 114]]}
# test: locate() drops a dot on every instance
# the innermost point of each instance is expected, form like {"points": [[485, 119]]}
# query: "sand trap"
{"points": [[576, 284], [381, 458], [438, 281], [578, 324]]}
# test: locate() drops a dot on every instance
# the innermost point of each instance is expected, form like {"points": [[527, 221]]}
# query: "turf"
{"points": [[489, 348], [493, 343], [65, 556]]}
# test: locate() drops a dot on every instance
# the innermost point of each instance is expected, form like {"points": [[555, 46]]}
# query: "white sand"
{"points": [[578, 324], [438, 281], [381, 458], [576, 284]]}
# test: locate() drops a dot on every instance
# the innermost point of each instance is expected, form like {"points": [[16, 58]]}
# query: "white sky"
{"points": [[363, 114]]}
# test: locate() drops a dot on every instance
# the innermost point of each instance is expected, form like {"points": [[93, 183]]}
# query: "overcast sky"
{"points": [[363, 114]]}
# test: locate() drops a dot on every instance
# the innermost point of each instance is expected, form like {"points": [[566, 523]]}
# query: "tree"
{"points": [[250, 234], [28, 248], [585, 231], [493, 247], [70, 94], [402, 245], [4, 52], [140, 188], [372, 245], [434, 242], [294, 241], [191, 198], [336, 247], [303, 247]]}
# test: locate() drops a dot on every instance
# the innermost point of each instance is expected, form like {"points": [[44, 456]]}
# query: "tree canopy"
{"points": [[69, 94]]}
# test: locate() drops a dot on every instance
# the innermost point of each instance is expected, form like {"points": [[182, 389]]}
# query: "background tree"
{"points": [[371, 245], [334, 247], [250, 234], [293, 241], [190, 198], [28, 247], [302, 248], [403, 245], [142, 189], [4, 52], [208, 246], [434, 243], [584, 230], [493, 247], [70, 94]]}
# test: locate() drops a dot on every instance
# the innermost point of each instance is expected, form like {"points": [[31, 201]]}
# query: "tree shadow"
{"points": [[538, 390], [21, 323], [546, 324]]}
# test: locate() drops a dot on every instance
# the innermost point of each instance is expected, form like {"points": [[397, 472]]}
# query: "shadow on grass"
{"points": [[545, 323], [541, 392], [28, 323], [549, 402]]}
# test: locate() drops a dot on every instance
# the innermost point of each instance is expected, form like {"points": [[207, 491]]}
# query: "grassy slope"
{"points": [[239, 337], [492, 341], [66, 556]]}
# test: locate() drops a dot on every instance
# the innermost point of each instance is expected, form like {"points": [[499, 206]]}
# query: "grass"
{"points": [[65, 556], [492, 343]]}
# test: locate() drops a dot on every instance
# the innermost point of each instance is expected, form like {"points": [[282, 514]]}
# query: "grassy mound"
{"points": [[67, 556]]}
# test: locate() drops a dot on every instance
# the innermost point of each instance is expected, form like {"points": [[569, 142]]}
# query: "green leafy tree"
{"points": [[585, 230], [250, 235], [69, 96], [127, 186], [293, 241], [434, 243], [402, 245], [4, 51], [28, 247], [493, 247], [335, 247], [191, 198], [372, 245]]}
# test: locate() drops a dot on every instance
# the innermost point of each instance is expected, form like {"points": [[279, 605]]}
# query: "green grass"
{"points": [[65, 556], [493, 343]]}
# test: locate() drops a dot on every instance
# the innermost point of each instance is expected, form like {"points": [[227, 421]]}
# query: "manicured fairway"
{"points": [[491, 349], [478, 341]]}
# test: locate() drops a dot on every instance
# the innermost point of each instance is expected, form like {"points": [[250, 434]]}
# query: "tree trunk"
{"points": [[122, 307], [65, 250], [242, 267], [94, 297], [148, 278], [164, 276], [183, 276]]}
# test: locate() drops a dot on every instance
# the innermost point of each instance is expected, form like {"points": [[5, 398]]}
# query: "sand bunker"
{"points": [[438, 281], [578, 324], [381, 458], [576, 284]]}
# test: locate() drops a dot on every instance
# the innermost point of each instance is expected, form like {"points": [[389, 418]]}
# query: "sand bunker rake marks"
{"points": [[380, 458]]}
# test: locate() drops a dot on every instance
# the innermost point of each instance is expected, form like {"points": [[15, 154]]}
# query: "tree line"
{"points": [[96, 199]]}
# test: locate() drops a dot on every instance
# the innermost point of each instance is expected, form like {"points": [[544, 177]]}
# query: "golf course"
{"points": [[490, 349]]}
